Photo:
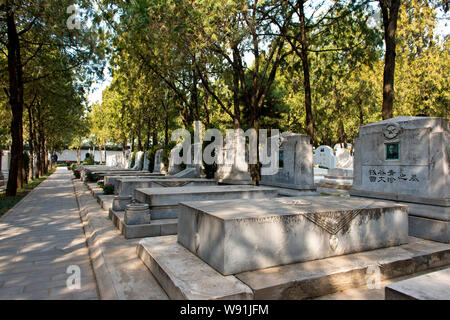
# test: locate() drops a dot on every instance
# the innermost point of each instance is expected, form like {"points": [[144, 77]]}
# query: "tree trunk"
{"points": [[166, 130], [31, 164], [45, 157], [237, 110], [310, 128], [154, 137], [390, 15], [15, 179]]}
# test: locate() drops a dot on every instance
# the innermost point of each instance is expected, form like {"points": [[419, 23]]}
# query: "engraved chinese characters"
{"points": [[391, 176]]}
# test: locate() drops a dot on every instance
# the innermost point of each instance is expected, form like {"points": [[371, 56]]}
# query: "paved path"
{"points": [[39, 239]]}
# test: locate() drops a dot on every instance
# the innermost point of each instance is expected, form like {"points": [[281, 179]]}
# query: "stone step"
{"points": [[105, 200], [184, 276], [431, 286]]}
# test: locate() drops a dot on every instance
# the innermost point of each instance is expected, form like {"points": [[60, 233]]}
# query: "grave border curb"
{"points": [[105, 284]]}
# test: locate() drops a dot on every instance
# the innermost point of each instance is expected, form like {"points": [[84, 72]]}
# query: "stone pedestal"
{"points": [[406, 159], [242, 235], [120, 202], [137, 213]]}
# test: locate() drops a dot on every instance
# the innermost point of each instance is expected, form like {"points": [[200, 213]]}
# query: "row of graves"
{"points": [[333, 167], [224, 238]]}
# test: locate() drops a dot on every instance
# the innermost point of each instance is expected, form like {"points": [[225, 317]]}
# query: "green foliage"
{"points": [[174, 62], [151, 156], [108, 189], [91, 177], [209, 169], [133, 160], [90, 160]]}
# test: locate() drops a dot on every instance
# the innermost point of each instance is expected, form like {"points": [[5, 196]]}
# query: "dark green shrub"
{"points": [[108, 189], [91, 177], [209, 169], [133, 159]]}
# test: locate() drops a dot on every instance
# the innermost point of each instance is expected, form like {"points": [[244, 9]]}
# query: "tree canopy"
{"points": [[322, 68]]}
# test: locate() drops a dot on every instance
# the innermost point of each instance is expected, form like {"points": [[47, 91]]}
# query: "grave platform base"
{"points": [[156, 228]]}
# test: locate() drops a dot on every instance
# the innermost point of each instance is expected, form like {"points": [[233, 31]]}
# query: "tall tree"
{"points": [[389, 11]]}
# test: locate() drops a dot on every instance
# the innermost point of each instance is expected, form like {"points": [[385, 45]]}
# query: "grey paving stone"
{"points": [[39, 239]]}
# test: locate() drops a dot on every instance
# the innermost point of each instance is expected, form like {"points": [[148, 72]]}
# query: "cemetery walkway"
{"points": [[43, 245]]}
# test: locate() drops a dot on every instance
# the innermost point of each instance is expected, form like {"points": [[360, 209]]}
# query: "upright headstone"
{"points": [[407, 159], [234, 169], [174, 167], [5, 160], [159, 165], [119, 161], [110, 160], [138, 161], [128, 158], [295, 163], [344, 159], [324, 157], [192, 170], [146, 162]]}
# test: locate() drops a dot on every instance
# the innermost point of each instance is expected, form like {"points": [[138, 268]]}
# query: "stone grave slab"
{"points": [[430, 286], [112, 179], [243, 235], [164, 204], [128, 185], [164, 201], [183, 275]]}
